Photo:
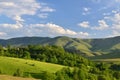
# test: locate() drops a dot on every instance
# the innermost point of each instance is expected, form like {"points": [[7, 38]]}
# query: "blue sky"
{"points": [[51, 18]]}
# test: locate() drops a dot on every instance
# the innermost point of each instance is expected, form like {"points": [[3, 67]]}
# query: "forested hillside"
{"points": [[85, 47]]}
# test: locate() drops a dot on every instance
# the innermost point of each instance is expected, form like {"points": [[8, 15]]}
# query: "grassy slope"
{"points": [[115, 60], [112, 57], [106, 44], [9, 65], [73, 44]]}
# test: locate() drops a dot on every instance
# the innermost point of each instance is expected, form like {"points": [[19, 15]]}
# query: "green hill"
{"points": [[85, 47], [9, 66], [69, 44], [105, 44]]}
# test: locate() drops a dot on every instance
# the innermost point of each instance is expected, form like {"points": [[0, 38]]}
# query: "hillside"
{"points": [[70, 44], [85, 47], [76, 67], [106, 44], [9, 65]]}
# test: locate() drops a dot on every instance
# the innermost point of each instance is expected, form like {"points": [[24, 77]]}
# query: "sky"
{"points": [[51, 18]]}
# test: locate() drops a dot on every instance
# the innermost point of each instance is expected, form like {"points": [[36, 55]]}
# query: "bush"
{"points": [[18, 73], [0, 71]]}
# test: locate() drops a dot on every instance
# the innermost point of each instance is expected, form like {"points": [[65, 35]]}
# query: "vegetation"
{"points": [[84, 47], [26, 68], [78, 67], [52, 54]]}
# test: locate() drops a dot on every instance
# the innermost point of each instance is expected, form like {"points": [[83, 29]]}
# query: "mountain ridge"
{"points": [[85, 47]]}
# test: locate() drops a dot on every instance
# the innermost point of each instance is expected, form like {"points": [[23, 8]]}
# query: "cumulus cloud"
{"points": [[48, 29], [2, 34], [53, 30], [11, 26], [84, 34], [15, 9], [84, 24], [102, 25], [115, 23], [115, 20], [18, 18], [86, 9], [114, 11]]}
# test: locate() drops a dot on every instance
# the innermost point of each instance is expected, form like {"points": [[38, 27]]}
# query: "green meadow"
{"points": [[9, 65]]}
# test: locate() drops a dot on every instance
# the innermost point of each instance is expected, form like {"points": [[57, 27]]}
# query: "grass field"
{"points": [[9, 65]]}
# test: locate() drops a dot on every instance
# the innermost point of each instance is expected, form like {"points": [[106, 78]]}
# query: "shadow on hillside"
{"points": [[37, 75]]}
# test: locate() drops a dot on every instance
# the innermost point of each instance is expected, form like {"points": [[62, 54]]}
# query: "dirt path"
{"points": [[6, 77]]}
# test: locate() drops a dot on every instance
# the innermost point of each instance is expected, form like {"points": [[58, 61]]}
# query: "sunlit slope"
{"points": [[9, 65]]}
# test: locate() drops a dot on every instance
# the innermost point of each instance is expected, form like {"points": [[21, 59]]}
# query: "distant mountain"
{"points": [[85, 47]]}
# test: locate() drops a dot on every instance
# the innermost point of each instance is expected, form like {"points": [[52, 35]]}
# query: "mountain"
{"points": [[85, 47]]}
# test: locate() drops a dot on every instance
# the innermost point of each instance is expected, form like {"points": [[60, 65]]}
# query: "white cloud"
{"points": [[7, 4], [114, 33], [114, 11], [17, 18], [83, 34], [115, 21], [106, 14], [48, 30], [2, 34], [43, 15], [102, 25], [84, 24], [11, 26], [116, 26], [47, 9], [86, 11], [116, 18], [53, 30], [17, 8]]}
